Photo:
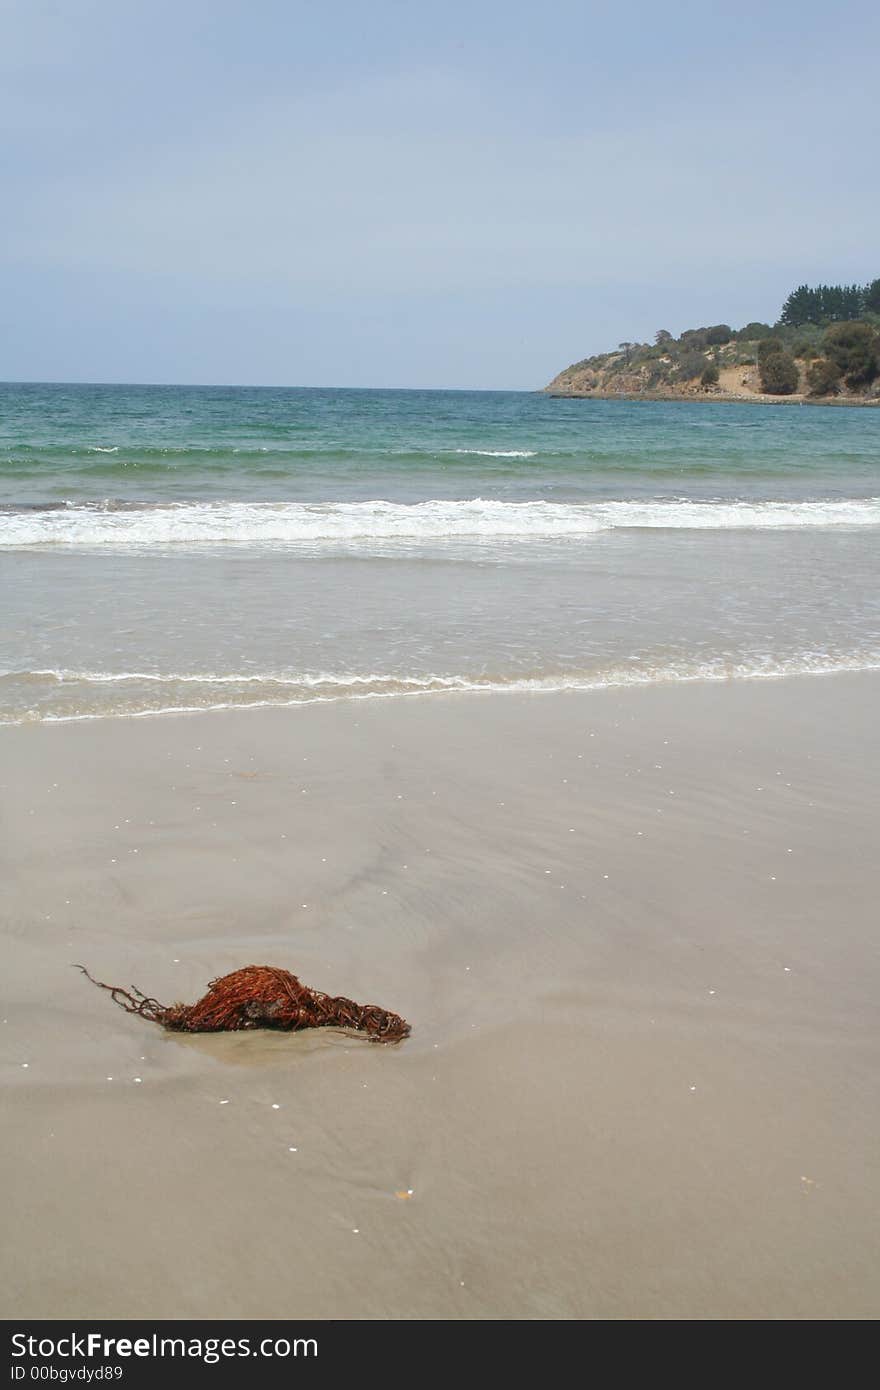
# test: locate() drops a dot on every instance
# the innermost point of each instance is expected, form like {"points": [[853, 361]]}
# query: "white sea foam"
{"points": [[500, 453], [99, 449], [280, 690], [287, 524]]}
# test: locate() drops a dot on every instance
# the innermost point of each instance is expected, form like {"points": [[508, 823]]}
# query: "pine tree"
{"points": [[800, 307], [828, 303], [871, 297]]}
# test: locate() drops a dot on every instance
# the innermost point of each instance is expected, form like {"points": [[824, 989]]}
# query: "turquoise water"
{"points": [[169, 548], [169, 443]]}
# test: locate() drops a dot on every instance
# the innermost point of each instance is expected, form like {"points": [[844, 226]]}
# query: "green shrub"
{"points": [[767, 347], [710, 375], [753, 331], [805, 350], [853, 347], [657, 376], [779, 373], [690, 365], [693, 339], [823, 378], [718, 335]]}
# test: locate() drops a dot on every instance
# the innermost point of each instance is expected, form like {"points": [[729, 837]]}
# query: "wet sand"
{"points": [[635, 933]]}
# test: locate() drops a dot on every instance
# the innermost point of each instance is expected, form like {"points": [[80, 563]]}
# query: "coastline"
{"points": [[709, 398], [633, 931]]}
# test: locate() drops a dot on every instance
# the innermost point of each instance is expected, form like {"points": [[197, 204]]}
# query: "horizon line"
{"points": [[262, 386]]}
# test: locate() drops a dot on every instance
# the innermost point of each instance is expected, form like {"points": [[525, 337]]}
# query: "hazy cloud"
{"points": [[416, 181]]}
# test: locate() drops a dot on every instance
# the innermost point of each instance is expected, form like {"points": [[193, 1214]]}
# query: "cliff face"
{"points": [[673, 370]]}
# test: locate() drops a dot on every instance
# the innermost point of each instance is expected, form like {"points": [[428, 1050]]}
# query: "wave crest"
{"points": [[262, 524]]}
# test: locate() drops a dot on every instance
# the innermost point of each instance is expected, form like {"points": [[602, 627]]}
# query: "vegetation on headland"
{"points": [[825, 346]]}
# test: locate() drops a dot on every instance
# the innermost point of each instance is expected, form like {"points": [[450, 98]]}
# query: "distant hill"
{"points": [[824, 348]]}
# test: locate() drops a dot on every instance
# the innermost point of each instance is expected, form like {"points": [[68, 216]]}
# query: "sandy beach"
{"points": [[634, 932]]}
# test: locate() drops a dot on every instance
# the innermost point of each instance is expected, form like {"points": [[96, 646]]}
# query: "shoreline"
{"points": [[706, 398], [634, 936], [525, 690]]}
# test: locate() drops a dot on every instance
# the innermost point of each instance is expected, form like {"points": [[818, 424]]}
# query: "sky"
{"points": [[393, 194]]}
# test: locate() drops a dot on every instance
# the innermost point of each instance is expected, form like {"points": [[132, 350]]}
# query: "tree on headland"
{"points": [[823, 378], [872, 297], [823, 304], [767, 347], [662, 337], [853, 348], [800, 307], [806, 349], [693, 339], [626, 348], [779, 373], [690, 365], [710, 375]]}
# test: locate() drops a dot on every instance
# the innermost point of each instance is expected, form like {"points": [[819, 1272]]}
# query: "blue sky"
{"points": [[391, 194]]}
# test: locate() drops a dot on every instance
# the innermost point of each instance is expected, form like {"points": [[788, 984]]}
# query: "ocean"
{"points": [[169, 549]]}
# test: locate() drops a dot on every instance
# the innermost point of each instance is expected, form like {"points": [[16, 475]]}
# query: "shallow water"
{"points": [[168, 548]]}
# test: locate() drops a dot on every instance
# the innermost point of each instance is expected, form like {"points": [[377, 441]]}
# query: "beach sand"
{"points": [[634, 931]]}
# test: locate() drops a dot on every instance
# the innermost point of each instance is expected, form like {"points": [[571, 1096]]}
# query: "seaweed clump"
{"points": [[260, 996]]}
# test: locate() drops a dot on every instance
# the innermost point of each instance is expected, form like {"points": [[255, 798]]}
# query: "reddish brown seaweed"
{"points": [[260, 996]]}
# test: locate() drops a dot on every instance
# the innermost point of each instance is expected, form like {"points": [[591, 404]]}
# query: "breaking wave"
{"points": [[500, 453], [288, 524]]}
